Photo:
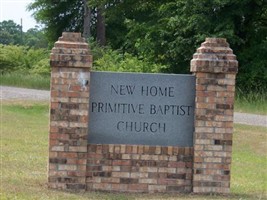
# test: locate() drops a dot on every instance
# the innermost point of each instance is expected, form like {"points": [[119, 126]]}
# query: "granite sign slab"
{"points": [[137, 108]]}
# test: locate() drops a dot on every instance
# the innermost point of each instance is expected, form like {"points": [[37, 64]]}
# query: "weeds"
{"points": [[33, 81], [251, 102]]}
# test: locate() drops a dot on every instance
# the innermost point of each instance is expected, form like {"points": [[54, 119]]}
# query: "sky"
{"points": [[16, 10]]}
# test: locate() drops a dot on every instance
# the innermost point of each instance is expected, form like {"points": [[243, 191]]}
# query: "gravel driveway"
{"points": [[13, 93]]}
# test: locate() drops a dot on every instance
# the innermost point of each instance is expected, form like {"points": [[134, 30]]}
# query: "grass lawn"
{"points": [[24, 156]]}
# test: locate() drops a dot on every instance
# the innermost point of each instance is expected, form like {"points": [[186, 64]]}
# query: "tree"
{"points": [[35, 37], [71, 15], [6, 38], [100, 27], [167, 32], [58, 16], [86, 20], [172, 31], [10, 32]]}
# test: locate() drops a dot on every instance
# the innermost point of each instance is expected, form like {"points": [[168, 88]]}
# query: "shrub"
{"points": [[106, 59], [42, 67], [11, 57], [23, 59]]}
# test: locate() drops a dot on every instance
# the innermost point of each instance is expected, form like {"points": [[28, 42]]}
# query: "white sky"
{"points": [[15, 10]]}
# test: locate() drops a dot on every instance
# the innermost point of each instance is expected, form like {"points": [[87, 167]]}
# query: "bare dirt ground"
{"points": [[13, 93]]}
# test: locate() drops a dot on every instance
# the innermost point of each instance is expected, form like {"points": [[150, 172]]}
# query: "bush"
{"points": [[42, 67], [23, 59], [106, 59], [11, 57]]}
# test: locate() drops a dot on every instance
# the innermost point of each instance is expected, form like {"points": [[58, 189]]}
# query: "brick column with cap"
{"points": [[215, 67], [71, 62]]}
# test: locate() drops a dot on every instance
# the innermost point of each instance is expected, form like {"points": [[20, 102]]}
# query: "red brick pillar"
{"points": [[71, 62], [215, 67]]}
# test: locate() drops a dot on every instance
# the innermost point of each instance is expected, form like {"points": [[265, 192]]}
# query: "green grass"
{"points": [[24, 156], [26, 81], [249, 168], [251, 102]]}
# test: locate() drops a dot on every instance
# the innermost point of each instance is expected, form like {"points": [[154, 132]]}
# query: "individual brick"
{"points": [[138, 187], [121, 174], [119, 187], [157, 188]]}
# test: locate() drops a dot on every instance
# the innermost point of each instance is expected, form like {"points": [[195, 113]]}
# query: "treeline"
{"points": [[23, 52], [162, 34], [166, 32], [12, 34], [27, 53]]}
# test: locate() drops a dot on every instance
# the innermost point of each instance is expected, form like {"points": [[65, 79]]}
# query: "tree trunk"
{"points": [[86, 20], [100, 27]]}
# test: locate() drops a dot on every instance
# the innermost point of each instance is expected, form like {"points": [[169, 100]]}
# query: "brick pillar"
{"points": [[215, 67], [71, 62]]}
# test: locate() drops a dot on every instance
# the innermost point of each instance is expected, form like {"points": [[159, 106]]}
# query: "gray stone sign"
{"points": [[136, 108]]}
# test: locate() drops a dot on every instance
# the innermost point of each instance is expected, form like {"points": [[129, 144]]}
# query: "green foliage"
{"points": [[163, 33], [68, 15], [170, 31], [10, 57], [42, 67], [58, 16], [114, 61], [10, 33], [35, 57], [35, 38], [252, 75], [23, 59], [106, 59]]}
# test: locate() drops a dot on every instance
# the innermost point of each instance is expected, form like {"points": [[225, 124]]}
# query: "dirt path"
{"points": [[13, 93]]}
